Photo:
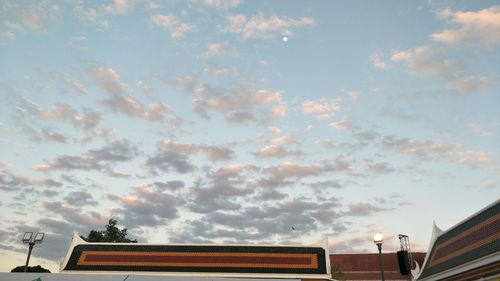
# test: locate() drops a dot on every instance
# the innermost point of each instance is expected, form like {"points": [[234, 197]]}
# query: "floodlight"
{"points": [[378, 238], [27, 237], [39, 237]]}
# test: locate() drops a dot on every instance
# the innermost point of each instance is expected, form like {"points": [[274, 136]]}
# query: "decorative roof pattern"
{"points": [[475, 238], [223, 259]]}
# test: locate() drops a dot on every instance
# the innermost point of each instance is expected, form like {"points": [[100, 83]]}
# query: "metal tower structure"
{"points": [[404, 241]]}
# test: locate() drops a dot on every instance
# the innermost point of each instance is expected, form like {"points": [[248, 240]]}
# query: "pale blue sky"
{"points": [[195, 122]]}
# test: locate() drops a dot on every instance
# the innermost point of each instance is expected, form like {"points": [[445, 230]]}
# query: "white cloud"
{"points": [[77, 86], [110, 81], [471, 158], [470, 84], [221, 4], [478, 130], [99, 14], [216, 49], [322, 109], [18, 16], [128, 105], [427, 60], [377, 167], [182, 147], [343, 124], [279, 111], [354, 96], [211, 152], [481, 27], [117, 7], [417, 147], [86, 119], [275, 130], [379, 61], [277, 151], [284, 139], [260, 27], [146, 89], [171, 23]]}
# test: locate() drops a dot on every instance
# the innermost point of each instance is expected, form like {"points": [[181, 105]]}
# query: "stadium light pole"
{"points": [[378, 238], [31, 241]]}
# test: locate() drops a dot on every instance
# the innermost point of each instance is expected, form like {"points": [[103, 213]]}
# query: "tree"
{"points": [[337, 273], [110, 234], [37, 268]]}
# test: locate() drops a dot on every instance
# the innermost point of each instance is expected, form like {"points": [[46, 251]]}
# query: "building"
{"points": [[367, 266], [212, 261], [470, 250]]}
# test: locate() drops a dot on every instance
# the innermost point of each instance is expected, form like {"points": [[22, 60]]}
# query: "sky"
{"points": [[269, 122]]}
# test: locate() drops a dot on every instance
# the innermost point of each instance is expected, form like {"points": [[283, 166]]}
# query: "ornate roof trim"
{"points": [[246, 261], [469, 244]]}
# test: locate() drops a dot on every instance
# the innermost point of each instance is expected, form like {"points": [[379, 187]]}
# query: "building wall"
{"points": [[367, 267]]}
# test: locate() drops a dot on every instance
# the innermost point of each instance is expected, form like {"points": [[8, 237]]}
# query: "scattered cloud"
{"points": [[165, 160], [86, 119], [377, 167], [379, 62], [470, 84], [481, 27], [478, 130], [242, 102], [146, 89], [221, 4], [342, 124], [217, 153], [146, 206], [35, 16], [290, 170], [99, 14], [217, 49], [427, 60], [176, 155], [284, 139], [322, 185], [110, 81], [96, 159], [129, 106], [471, 158], [322, 109], [438, 150], [354, 96], [90, 220], [173, 24], [277, 151], [260, 27], [222, 191], [363, 209], [46, 135], [12, 182], [80, 199], [417, 147]]}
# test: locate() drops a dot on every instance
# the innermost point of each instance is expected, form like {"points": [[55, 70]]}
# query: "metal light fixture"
{"points": [[27, 237], [39, 237], [378, 239], [31, 241]]}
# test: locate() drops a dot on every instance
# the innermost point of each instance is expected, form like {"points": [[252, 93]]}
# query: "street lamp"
{"points": [[378, 238], [31, 241]]}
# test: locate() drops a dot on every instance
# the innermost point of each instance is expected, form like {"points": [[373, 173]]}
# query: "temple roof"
{"points": [[470, 245], [199, 260]]}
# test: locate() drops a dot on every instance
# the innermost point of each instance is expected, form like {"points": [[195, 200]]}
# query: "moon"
{"points": [[285, 38]]}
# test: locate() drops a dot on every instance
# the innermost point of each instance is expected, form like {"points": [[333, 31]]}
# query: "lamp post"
{"points": [[31, 241], [378, 238]]}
